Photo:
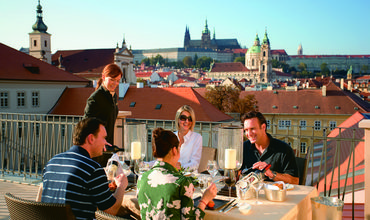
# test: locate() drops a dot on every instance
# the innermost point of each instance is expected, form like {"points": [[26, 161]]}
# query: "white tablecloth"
{"points": [[296, 206]]}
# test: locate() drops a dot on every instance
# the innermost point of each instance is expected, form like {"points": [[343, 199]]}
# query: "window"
{"points": [[303, 148], [46, 44], [3, 130], [284, 124], [21, 99], [263, 67], [34, 43], [332, 125], [20, 129], [63, 130], [317, 125], [4, 100], [264, 53], [268, 124], [35, 99], [252, 62], [303, 124]]}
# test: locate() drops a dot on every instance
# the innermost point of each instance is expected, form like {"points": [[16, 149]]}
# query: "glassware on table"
{"points": [[140, 167], [124, 158], [212, 168], [229, 178], [111, 171], [258, 186]]}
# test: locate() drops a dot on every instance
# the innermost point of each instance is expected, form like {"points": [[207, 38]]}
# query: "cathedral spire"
{"points": [[39, 26], [266, 39], [257, 41], [206, 30], [123, 42], [214, 34]]}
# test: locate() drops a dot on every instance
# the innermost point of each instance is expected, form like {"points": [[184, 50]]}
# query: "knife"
{"points": [[227, 205], [231, 207]]}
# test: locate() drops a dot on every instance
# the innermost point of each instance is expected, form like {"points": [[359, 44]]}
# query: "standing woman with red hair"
{"points": [[102, 103]]}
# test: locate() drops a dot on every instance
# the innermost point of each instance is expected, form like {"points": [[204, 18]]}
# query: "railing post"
{"points": [[365, 124]]}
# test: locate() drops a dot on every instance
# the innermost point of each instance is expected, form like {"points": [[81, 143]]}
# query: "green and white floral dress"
{"points": [[164, 193]]}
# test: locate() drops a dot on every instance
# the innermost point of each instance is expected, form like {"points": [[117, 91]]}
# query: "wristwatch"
{"points": [[273, 175]]}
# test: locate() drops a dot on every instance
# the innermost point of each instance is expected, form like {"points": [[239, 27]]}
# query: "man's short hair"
{"points": [[254, 114], [85, 127]]}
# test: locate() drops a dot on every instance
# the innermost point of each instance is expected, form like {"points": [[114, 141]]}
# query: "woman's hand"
{"points": [[210, 193]]}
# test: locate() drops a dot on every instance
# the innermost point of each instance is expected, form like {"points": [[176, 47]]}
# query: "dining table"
{"points": [[297, 205]]}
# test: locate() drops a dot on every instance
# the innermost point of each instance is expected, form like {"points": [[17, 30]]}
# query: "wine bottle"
{"points": [[113, 148]]}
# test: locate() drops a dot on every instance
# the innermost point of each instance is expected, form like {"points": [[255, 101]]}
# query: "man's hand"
{"points": [[121, 181], [260, 165]]}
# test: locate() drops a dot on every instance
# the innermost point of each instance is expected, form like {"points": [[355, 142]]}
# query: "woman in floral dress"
{"points": [[163, 192]]}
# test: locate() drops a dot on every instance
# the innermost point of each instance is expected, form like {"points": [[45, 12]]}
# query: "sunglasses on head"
{"points": [[184, 117]]}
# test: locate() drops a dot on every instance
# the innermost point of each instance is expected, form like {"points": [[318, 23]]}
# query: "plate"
{"points": [[218, 203], [289, 186]]}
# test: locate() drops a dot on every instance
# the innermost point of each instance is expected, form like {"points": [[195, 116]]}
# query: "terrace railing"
{"points": [[28, 141]]}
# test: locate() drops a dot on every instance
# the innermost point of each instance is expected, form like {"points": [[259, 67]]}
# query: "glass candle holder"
{"points": [[135, 140], [230, 147]]}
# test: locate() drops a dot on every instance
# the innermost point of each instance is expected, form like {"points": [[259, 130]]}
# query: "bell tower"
{"points": [[40, 39]]}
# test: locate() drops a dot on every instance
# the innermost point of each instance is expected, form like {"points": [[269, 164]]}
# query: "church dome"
{"points": [[39, 26], [254, 49]]}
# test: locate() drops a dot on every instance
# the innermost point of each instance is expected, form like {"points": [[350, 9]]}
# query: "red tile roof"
{"points": [[84, 61], [143, 74], [322, 56], [345, 149], [16, 65], [229, 67], [73, 102], [279, 52], [306, 100], [164, 74]]}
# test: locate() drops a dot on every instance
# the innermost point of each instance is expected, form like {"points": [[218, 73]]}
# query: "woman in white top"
{"points": [[191, 149]]}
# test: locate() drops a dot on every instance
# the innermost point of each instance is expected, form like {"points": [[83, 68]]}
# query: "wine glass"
{"points": [[212, 168], [124, 157], [140, 167], [229, 178], [258, 186]]}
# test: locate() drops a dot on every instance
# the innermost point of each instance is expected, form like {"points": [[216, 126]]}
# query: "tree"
{"points": [[227, 99], [302, 66], [204, 62], [146, 61], [195, 59], [324, 69], [240, 59], [188, 61], [364, 68]]}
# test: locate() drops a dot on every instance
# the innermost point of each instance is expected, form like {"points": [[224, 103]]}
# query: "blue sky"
{"points": [[323, 27]]}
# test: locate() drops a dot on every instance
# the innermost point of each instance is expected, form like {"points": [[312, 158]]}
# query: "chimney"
{"points": [[341, 84], [323, 91], [349, 86]]}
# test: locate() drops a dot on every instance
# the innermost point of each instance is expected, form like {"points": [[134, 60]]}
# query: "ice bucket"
{"points": [[326, 208]]}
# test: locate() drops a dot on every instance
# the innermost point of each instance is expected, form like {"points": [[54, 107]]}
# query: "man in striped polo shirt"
{"points": [[74, 178]]}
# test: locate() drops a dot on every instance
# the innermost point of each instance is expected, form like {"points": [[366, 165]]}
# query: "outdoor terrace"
{"points": [[336, 161]]}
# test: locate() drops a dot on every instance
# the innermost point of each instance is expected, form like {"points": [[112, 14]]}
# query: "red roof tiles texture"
{"points": [[73, 102], [16, 65], [229, 67]]}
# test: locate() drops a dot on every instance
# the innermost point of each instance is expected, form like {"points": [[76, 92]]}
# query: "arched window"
{"points": [[263, 67], [264, 53], [34, 43]]}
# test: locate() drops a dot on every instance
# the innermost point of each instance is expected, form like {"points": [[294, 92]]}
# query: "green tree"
{"points": [[364, 69], [188, 61], [146, 61], [195, 59], [204, 62], [324, 69], [227, 99], [240, 59], [302, 66]]}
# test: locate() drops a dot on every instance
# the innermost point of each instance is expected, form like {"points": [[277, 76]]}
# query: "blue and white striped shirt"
{"points": [[74, 178]]}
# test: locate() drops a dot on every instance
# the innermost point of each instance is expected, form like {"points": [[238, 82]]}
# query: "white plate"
{"points": [[244, 208], [289, 186]]}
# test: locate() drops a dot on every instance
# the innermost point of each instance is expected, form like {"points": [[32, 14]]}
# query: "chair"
{"points": [[208, 153], [100, 215], [20, 209], [302, 169]]}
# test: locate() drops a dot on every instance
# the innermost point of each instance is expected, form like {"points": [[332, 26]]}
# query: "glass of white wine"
{"points": [[212, 168]]}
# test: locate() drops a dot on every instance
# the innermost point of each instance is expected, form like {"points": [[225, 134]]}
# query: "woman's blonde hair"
{"points": [[187, 109]]}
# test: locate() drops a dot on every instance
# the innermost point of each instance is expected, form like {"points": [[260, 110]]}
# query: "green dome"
{"points": [[254, 49]]}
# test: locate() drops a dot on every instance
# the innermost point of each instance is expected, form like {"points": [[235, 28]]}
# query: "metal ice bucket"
{"points": [[275, 195]]}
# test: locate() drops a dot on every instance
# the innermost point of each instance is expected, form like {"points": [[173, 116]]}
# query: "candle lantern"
{"points": [[135, 140], [230, 147]]}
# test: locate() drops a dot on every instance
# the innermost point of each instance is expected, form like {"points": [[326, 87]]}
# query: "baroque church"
{"points": [[257, 69], [87, 63], [207, 43]]}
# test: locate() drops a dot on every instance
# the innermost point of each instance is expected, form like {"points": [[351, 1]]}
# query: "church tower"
{"points": [[206, 37], [40, 39], [266, 66], [187, 38], [300, 50]]}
